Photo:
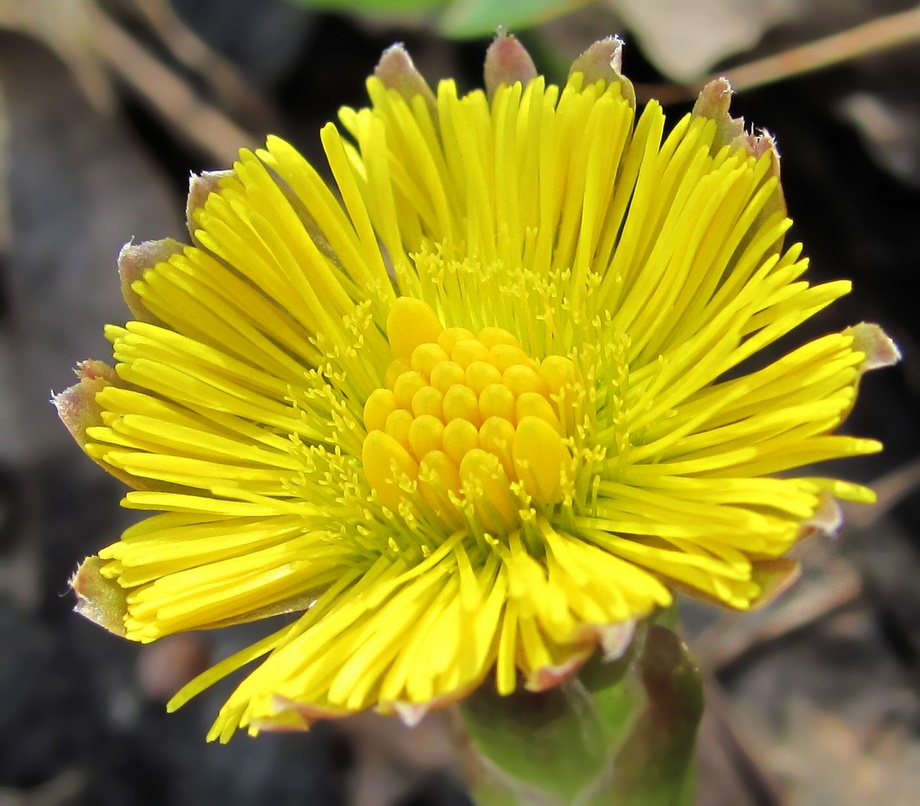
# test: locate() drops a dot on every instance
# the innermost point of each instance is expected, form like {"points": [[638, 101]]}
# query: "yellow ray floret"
{"points": [[475, 408]]}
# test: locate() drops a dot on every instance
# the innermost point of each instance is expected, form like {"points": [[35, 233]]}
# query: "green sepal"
{"points": [[99, 598], [555, 747], [620, 732], [655, 766], [546, 747]]}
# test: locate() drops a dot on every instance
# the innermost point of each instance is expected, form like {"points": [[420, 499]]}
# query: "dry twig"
{"points": [[891, 489], [171, 97], [876, 36], [734, 635], [763, 788], [221, 76]]}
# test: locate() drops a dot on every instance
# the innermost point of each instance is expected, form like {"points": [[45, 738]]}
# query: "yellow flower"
{"points": [[476, 408]]}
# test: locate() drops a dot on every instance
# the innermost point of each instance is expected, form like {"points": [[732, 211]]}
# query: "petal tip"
{"points": [[200, 186], [715, 100], [134, 260], [411, 713], [615, 639], [827, 518], [99, 599], [550, 676], [774, 578], [879, 349], [603, 61], [397, 71], [507, 62], [76, 405]]}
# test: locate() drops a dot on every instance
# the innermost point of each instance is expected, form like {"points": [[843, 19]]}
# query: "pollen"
{"points": [[465, 417]]}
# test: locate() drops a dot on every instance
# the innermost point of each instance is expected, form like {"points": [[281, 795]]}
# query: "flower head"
{"points": [[475, 408]]}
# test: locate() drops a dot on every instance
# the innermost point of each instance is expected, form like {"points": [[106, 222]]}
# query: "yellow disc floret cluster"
{"points": [[462, 418]]}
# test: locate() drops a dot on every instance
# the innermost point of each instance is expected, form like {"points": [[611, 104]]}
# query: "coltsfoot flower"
{"points": [[475, 408]]}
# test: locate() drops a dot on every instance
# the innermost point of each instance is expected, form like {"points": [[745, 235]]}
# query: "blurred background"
{"points": [[105, 108]]}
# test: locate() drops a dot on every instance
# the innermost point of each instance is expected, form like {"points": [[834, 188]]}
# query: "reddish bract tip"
{"points": [[875, 344], [603, 61], [507, 61], [200, 186], [133, 260], [397, 71]]}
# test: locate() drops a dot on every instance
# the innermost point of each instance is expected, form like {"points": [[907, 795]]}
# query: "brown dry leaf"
{"points": [[828, 584], [845, 766], [684, 40], [729, 771], [78, 188], [67, 27], [93, 45], [832, 715]]}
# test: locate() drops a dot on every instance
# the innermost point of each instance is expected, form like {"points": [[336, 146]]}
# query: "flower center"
{"points": [[462, 418]]}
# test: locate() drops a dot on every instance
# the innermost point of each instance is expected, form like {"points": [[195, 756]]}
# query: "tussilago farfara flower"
{"points": [[474, 408]]}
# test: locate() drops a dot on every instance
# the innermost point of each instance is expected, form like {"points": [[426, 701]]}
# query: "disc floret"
{"points": [[468, 424]]}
